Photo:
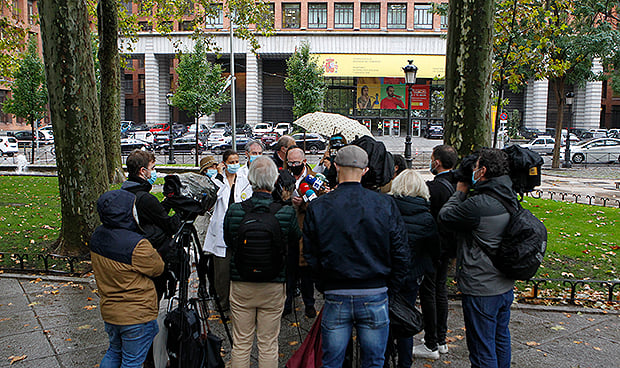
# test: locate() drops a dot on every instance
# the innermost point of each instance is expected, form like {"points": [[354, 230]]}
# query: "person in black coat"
{"points": [[412, 199]]}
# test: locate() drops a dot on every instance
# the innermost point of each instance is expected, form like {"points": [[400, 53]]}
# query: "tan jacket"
{"points": [[127, 292]]}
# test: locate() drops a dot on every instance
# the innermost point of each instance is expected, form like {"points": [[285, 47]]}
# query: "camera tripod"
{"points": [[187, 247]]}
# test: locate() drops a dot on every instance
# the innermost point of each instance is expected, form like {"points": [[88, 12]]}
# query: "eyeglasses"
{"points": [[294, 163]]}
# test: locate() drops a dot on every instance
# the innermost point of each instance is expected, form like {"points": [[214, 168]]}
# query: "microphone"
{"points": [[307, 193], [316, 183]]}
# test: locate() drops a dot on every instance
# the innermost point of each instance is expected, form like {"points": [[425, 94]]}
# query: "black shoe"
{"points": [[287, 311], [310, 312]]}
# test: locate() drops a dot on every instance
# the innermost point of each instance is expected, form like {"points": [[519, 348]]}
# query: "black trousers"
{"points": [[434, 302]]}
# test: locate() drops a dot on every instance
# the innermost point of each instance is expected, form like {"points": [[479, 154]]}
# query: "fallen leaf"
{"points": [[31, 304], [90, 307], [532, 343], [89, 299], [596, 348], [295, 324], [447, 362], [68, 339], [84, 327], [427, 366], [14, 358], [557, 328], [577, 342], [293, 343], [459, 337]]}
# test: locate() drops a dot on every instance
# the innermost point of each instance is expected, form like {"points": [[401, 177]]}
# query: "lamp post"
{"points": [[410, 74], [569, 102], [171, 160]]}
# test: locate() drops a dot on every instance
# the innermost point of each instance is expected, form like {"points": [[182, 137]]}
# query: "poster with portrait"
{"points": [[368, 93]]}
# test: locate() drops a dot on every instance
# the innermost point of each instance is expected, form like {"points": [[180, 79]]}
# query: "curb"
{"points": [[90, 280]]}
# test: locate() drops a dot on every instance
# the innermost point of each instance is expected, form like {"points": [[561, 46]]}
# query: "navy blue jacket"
{"points": [[355, 238]]}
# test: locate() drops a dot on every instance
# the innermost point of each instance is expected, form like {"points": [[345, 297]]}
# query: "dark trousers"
{"points": [[434, 302], [295, 272]]}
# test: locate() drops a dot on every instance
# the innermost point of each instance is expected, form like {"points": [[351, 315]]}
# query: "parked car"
{"points": [[126, 125], [204, 129], [599, 133], [143, 135], [434, 131], [217, 139], [48, 136], [160, 127], [530, 133], [599, 150], [543, 145], [313, 142], [24, 137], [8, 146], [221, 127], [179, 129], [183, 144], [269, 138], [613, 133], [130, 144], [261, 128], [220, 148], [244, 129], [283, 128]]}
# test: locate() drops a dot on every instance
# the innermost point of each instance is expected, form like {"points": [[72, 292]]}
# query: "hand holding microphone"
{"points": [[306, 193]]}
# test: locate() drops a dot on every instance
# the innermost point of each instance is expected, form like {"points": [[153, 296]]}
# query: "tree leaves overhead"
{"points": [[13, 38], [305, 81], [201, 86]]}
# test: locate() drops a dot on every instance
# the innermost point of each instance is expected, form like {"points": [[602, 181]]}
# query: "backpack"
{"points": [[380, 162], [523, 244], [525, 167], [260, 252]]}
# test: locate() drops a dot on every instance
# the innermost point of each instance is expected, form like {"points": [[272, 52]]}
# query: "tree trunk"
{"points": [[74, 108], [110, 88], [558, 89], [468, 75], [33, 140]]}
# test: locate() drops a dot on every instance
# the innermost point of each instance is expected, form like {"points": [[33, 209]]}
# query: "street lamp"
{"points": [[171, 160], [410, 74], [570, 96]]}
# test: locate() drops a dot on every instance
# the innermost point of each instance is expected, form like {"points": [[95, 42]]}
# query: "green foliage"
{"points": [[305, 81], [514, 122], [583, 240], [201, 86], [29, 92], [13, 39]]}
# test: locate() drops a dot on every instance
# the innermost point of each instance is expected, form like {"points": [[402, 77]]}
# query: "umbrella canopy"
{"points": [[329, 124]]}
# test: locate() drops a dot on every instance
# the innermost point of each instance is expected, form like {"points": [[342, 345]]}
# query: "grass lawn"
{"points": [[583, 240]]}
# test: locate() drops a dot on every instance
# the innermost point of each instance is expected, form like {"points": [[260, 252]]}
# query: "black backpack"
{"points": [[525, 166], [380, 162], [523, 244], [260, 251]]}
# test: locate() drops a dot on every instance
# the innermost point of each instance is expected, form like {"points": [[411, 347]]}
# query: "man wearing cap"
{"points": [[355, 260]]}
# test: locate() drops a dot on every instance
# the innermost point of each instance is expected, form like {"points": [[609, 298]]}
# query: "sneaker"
{"points": [[443, 349], [421, 351], [310, 312]]}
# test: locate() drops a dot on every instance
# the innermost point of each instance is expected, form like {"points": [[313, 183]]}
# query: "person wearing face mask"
{"points": [[233, 188], [158, 227], [208, 166], [297, 267], [253, 150], [478, 216]]}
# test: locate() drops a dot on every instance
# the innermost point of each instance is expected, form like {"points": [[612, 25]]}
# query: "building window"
{"points": [[145, 26], [186, 26], [270, 15], [30, 12], [397, 16], [167, 26], [141, 82], [128, 84], [343, 15], [217, 20], [370, 15], [317, 15], [423, 17], [15, 8], [443, 22], [291, 15]]}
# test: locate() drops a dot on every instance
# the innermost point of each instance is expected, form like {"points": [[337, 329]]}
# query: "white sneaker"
{"points": [[421, 351], [443, 349]]}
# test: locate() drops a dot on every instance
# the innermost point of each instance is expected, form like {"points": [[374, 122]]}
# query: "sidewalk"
{"points": [[55, 322]]}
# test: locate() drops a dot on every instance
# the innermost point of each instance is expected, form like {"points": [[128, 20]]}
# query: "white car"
{"points": [[542, 145], [215, 139], [600, 150], [262, 128], [143, 135], [282, 128], [8, 146], [48, 136]]}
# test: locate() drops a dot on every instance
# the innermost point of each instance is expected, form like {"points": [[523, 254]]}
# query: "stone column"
{"points": [[151, 85], [587, 109], [535, 114], [164, 86], [253, 90]]}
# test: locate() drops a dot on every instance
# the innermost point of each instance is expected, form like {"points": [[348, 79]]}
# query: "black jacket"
{"points": [[355, 238], [153, 216], [441, 188], [421, 233]]}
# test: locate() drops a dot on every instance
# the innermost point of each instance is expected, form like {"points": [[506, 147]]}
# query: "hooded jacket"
{"points": [[479, 219], [123, 262]]}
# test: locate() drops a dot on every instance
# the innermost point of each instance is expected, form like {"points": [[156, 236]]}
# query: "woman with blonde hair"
{"points": [[412, 198]]}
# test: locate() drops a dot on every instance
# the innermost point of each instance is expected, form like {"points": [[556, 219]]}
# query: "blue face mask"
{"points": [[211, 172], [473, 175], [153, 177], [252, 158], [232, 168]]}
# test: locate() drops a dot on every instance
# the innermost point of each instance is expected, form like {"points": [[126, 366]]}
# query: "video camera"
{"points": [[189, 194]]}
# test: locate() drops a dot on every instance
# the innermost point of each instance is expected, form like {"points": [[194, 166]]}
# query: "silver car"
{"points": [[600, 150], [542, 145]]}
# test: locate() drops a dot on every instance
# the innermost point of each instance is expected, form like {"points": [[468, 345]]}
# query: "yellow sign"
{"points": [[369, 65]]}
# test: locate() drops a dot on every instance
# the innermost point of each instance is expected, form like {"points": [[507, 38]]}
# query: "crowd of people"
{"points": [[278, 225]]}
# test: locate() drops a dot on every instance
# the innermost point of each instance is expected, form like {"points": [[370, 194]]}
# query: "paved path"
{"points": [[55, 322]]}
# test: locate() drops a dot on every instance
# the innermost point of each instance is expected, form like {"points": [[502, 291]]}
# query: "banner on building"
{"points": [[388, 93], [370, 65]]}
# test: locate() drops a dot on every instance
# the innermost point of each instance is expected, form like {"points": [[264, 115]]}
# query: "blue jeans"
{"points": [[369, 315], [128, 344], [486, 324]]}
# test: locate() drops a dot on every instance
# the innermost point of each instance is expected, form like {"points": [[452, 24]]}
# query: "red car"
{"points": [[159, 127], [269, 138]]}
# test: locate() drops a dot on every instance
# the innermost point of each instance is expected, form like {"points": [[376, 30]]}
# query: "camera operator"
{"points": [[158, 228], [326, 164]]}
